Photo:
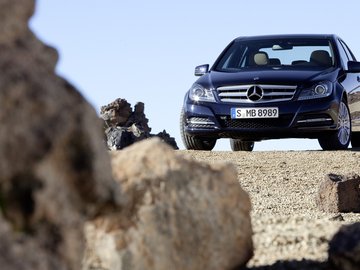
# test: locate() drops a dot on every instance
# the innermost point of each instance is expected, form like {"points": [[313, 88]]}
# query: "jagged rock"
{"points": [[181, 214], [344, 248], [116, 113], [138, 117], [54, 172], [124, 127], [118, 138], [121, 137], [339, 193], [138, 134], [166, 138]]}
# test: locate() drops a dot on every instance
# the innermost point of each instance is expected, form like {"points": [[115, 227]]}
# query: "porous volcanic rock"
{"points": [[138, 117], [338, 193], [123, 126], [116, 113], [344, 248], [181, 214], [54, 172]]}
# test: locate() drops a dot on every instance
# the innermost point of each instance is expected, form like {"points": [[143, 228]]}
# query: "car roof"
{"points": [[307, 36]]}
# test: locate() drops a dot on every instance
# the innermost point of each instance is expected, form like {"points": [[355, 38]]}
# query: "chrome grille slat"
{"points": [[271, 93], [277, 94], [233, 88], [264, 86], [240, 94], [234, 100]]}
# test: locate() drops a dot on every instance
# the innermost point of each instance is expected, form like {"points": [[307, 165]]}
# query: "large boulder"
{"points": [[54, 172], [344, 248], [180, 214], [339, 193]]}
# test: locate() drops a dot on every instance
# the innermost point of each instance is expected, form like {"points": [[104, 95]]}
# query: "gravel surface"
{"points": [[289, 231]]}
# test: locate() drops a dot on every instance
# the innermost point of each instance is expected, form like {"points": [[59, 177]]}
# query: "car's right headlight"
{"points": [[200, 93]]}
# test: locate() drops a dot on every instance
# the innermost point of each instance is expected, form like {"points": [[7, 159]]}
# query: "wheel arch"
{"points": [[341, 92], [344, 97]]}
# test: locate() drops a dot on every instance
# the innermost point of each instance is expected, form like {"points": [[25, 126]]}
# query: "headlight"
{"points": [[319, 90], [199, 93]]}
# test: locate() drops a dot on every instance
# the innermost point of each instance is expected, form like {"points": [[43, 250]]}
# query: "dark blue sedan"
{"points": [[272, 87]]}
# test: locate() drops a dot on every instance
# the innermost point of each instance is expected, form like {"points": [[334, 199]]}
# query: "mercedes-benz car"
{"points": [[272, 87]]}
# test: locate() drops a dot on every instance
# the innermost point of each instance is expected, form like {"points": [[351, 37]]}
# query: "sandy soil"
{"points": [[289, 231]]}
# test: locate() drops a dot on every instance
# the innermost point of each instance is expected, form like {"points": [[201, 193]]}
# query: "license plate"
{"points": [[271, 112]]}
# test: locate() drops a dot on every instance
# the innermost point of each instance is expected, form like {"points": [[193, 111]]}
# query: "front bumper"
{"points": [[297, 119]]}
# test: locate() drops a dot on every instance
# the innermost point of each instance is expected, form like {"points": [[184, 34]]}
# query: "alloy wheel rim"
{"points": [[344, 124]]}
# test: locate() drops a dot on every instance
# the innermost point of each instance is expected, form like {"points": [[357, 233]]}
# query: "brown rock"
{"points": [[17, 252], [116, 113], [339, 194], [344, 248], [14, 16], [54, 169], [181, 214]]}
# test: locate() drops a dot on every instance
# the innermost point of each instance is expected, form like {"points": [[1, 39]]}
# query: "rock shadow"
{"points": [[292, 265]]}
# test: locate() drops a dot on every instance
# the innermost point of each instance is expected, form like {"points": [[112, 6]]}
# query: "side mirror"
{"points": [[201, 70], [353, 67]]}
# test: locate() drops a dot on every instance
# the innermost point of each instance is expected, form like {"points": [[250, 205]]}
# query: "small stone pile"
{"points": [[124, 126]]}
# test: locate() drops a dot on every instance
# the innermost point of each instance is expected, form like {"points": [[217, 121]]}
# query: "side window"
{"points": [[343, 55], [347, 50]]}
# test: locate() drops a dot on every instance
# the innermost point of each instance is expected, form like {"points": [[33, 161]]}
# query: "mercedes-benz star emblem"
{"points": [[255, 93]]}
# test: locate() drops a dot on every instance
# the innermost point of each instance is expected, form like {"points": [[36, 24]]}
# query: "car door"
{"points": [[351, 83]]}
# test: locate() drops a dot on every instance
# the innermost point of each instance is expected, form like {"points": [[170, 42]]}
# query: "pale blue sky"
{"points": [[147, 50]]}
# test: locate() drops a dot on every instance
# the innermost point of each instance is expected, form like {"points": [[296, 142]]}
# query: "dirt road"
{"points": [[288, 228]]}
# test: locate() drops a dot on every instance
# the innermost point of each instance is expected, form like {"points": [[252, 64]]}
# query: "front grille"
{"points": [[271, 93], [281, 122]]}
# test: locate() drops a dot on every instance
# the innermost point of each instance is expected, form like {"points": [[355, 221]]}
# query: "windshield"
{"points": [[277, 54]]}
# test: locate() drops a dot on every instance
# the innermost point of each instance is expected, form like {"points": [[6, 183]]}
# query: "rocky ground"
{"points": [[289, 231]]}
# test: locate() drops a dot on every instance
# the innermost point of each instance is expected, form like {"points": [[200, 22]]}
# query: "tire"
{"points": [[238, 145], [340, 139], [192, 142], [355, 139]]}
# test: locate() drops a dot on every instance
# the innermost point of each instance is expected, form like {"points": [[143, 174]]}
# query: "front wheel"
{"points": [[238, 145], [192, 142], [340, 139]]}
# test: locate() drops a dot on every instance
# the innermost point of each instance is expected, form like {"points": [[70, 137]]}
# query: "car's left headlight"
{"points": [[200, 93], [318, 90]]}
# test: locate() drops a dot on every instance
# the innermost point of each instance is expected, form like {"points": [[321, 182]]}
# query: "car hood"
{"points": [[215, 79]]}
